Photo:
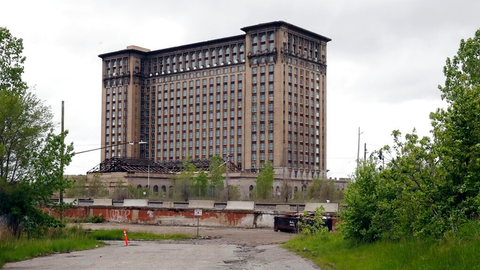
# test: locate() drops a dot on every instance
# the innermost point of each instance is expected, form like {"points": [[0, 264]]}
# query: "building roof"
{"points": [[142, 165], [145, 52], [287, 25]]}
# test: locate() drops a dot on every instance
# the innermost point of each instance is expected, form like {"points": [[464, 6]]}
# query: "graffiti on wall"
{"points": [[119, 215]]}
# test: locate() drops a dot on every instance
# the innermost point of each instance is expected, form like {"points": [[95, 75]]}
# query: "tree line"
{"points": [[195, 183]]}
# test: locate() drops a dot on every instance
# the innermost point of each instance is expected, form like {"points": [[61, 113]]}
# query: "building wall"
{"points": [[254, 97]]}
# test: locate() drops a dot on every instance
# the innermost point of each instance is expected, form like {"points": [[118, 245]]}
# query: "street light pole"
{"points": [[226, 177], [358, 151]]}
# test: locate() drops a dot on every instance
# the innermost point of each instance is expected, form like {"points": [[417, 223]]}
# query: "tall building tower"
{"points": [[254, 97]]}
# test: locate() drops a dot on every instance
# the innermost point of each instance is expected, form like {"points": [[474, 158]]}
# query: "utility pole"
{"points": [[226, 177], [358, 151], [61, 163], [365, 152]]}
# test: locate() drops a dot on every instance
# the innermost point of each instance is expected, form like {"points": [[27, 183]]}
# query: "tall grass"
{"points": [[459, 251], [54, 240]]}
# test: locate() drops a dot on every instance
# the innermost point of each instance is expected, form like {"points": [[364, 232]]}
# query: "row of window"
{"points": [[228, 54], [262, 41], [304, 47]]}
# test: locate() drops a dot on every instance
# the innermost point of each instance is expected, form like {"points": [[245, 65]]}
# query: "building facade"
{"points": [[255, 97]]}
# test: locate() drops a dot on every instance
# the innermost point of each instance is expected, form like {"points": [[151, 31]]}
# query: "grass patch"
{"points": [[117, 234], [54, 241], [60, 240], [333, 252]]}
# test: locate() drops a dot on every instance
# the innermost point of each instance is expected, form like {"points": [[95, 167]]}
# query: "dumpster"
{"points": [[289, 223]]}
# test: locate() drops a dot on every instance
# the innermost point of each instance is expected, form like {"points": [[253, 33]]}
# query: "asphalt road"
{"points": [[223, 249]]}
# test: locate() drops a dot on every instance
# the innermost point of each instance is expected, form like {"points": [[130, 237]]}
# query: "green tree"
{"points": [[201, 184], [430, 186], [185, 180], [24, 120], [78, 189], [456, 130], [120, 191], [30, 154], [264, 181], [19, 199], [215, 175], [361, 198], [96, 187], [321, 190], [11, 62]]}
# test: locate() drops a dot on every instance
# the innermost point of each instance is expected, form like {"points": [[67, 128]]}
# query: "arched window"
{"points": [[139, 186], [155, 188], [164, 189]]}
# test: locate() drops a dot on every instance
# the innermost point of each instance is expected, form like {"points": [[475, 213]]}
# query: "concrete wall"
{"points": [[135, 202], [176, 216]]}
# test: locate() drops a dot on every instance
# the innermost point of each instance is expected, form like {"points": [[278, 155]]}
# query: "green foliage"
{"points": [[264, 181], [96, 219], [321, 190], [78, 189], [201, 184], [31, 158], [313, 225], [91, 219], [120, 191], [53, 240], [19, 200], [138, 193], [397, 201], [11, 62], [456, 130], [333, 251], [117, 234], [24, 121], [215, 175], [234, 193], [429, 187], [185, 180], [96, 187]]}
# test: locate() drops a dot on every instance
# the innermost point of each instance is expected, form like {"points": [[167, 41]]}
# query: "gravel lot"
{"points": [[219, 248]]}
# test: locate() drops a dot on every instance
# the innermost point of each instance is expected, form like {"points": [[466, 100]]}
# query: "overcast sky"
{"points": [[385, 59]]}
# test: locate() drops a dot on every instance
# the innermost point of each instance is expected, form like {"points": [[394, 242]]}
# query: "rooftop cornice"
{"points": [[278, 24]]}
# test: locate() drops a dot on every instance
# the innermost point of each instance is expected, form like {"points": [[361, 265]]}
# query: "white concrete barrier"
{"points": [[168, 205], [102, 202], [135, 202], [328, 207], [73, 201], [204, 204], [240, 205], [282, 208]]}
